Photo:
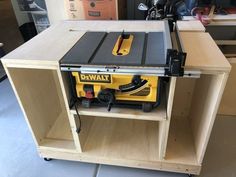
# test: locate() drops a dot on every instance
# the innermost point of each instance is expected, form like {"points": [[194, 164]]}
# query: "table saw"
{"points": [[123, 67]]}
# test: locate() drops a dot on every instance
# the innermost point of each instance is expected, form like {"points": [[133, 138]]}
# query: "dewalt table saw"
{"points": [[123, 67]]}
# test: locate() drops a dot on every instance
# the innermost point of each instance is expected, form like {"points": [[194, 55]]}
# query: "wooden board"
{"points": [[216, 18], [53, 43], [223, 23], [58, 145], [61, 129], [50, 45], [154, 165], [157, 114], [228, 102], [205, 103], [165, 125], [133, 143], [193, 26], [183, 97], [63, 81], [202, 52], [180, 147], [122, 139], [229, 17], [35, 90], [225, 42]]}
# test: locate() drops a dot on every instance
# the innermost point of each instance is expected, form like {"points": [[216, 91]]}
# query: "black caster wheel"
{"points": [[47, 159], [147, 107], [190, 175]]}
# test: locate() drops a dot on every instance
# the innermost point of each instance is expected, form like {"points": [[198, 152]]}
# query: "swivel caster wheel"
{"points": [[47, 159], [190, 175]]}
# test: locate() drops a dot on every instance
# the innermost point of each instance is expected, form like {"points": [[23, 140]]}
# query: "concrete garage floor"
{"points": [[19, 158]]}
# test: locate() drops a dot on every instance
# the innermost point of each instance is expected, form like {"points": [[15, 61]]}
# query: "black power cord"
{"points": [[78, 130], [73, 103], [74, 100], [158, 96]]}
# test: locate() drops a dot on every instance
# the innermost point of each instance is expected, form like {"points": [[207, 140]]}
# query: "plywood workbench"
{"points": [[173, 137]]}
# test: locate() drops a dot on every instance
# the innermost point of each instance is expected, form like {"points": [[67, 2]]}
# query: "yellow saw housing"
{"points": [[146, 93]]}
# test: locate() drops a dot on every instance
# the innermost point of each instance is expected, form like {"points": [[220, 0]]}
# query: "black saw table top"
{"points": [[95, 48]]}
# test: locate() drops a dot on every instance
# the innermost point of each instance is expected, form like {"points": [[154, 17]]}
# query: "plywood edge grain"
{"points": [[159, 114], [157, 165], [32, 64]]}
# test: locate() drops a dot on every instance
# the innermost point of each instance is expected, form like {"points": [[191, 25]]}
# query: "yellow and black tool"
{"points": [[109, 89], [113, 68]]}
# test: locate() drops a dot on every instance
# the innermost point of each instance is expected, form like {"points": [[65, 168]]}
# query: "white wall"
{"points": [[59, 10], [56, 10], [21, 17]]}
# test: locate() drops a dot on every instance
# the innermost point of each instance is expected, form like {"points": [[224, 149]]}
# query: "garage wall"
{"points": [[9, 31]]}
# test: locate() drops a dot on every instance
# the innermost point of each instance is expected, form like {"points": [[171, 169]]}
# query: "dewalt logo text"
{"points": [[101, 78]]}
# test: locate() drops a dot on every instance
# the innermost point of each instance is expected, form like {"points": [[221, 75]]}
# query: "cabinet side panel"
{"points": [[165, 125], [87, 123], [205, 103], [65, 86], [228, 102], [183, 97], [37, 93]]}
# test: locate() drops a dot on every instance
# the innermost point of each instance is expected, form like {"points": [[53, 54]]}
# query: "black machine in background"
{"points": [[170, 9]]}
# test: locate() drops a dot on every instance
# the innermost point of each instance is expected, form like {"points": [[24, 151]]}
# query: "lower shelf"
{"points": [[121, 139], [59, 137], [157, 114], [58, 145], [131, 143], [180, 147]]}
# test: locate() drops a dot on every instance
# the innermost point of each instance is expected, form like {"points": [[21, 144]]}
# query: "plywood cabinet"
{"points": [[173, 137], [224, 35]]}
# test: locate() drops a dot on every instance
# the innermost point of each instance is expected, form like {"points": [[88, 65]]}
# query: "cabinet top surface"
{"points": [[52, 44]]}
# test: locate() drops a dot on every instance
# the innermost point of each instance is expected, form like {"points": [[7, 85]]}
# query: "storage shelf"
{"points": [[180, 147], [59, 137], [157, 114], [61, 129], [121, 139], [132, 143], [58, 145]]}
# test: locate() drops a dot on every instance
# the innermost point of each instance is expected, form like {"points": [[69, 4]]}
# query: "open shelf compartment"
{"points": [[194, 109], [126, 139], [41, 99]]}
